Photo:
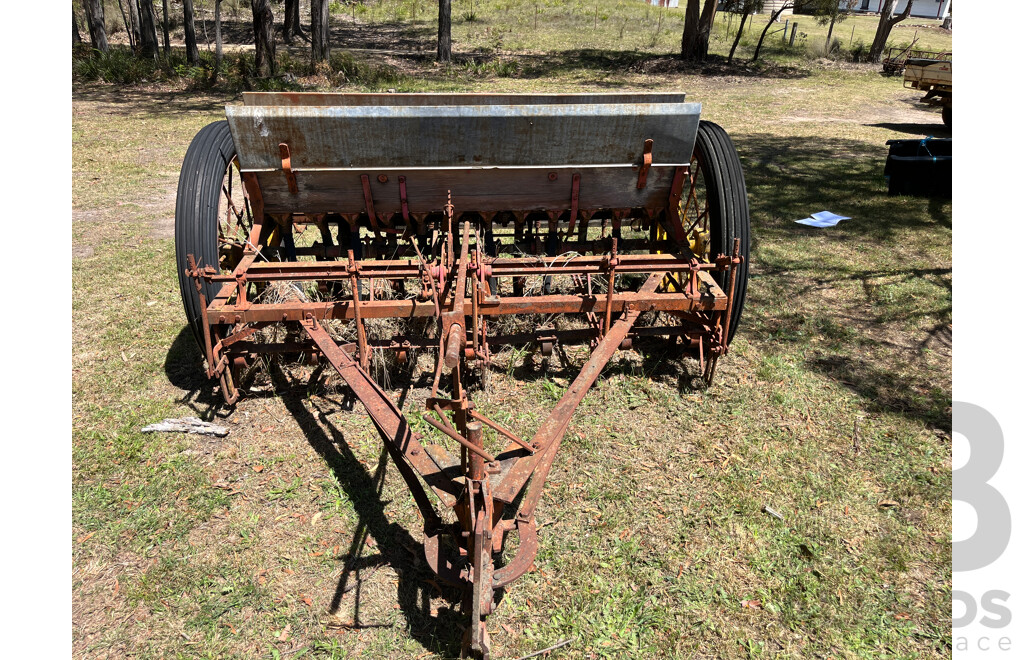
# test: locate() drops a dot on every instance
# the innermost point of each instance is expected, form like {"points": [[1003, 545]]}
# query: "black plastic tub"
{"points": [[922, 168]]}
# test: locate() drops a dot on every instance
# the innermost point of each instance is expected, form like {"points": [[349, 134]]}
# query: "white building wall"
{"points": [[771, 5], [921, 8]]}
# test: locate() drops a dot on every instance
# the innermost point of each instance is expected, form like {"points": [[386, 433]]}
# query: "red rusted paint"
{"points": [[478, 482]]}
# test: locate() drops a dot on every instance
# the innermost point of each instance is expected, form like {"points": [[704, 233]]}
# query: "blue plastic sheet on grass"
{"points": [[822, 219]]}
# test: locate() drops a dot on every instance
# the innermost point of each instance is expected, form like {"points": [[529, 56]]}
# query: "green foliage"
{"points": [[349, 70], [859, 51], [119, 66], [742, 6], [498, 67], [826, 11], [122, 67]]}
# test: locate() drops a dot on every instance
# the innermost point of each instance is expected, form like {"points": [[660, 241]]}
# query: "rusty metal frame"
{"points": [[458, 281], [480, 484]]}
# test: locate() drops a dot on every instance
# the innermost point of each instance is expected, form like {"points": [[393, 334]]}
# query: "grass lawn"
{"points": [[293, 537]]}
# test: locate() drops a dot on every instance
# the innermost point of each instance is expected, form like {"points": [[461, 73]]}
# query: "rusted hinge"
{"points": [[575, 207], [368, 200], [286, 166], [404, 199], [641, 179]]}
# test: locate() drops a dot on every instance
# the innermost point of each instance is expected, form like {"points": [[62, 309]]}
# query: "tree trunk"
{"points": [[320, 30], [191, 46], [167, 32], [292, 26], [133, 14], [147, 29], [75, 37], [764, 32], [707, 21], [697, 30], [97, 29], [219, 58], [885, 23], [127, 26], [263, 31], [739, 33], [688, 49], [444, 31], [286, 33], [828, 37]]}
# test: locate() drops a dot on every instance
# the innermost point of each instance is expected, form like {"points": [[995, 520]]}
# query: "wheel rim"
{"points": [[695, 209], [234, 218]]}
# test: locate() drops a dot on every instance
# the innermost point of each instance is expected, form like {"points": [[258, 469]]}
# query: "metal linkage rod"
{"points": [[459, 439], [503, 431]]}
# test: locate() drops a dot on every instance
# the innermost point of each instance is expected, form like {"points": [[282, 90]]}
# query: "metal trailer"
{"points": [[928, 71], [932, 73], [625, 214]]}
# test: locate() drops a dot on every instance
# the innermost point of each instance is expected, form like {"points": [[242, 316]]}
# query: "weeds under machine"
{"points": [[622, 214]]}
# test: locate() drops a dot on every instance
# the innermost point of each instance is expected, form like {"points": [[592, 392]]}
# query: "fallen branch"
{"points": [[187, 425], [548, 649]]}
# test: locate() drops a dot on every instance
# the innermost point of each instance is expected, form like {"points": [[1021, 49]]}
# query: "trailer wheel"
{"points": [[212, 217], [947, 116], [714, 208]]}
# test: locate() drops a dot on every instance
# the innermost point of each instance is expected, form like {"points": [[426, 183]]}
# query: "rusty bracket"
{"points": [[251, 186], [364, 352], [735, 261], [612, 262], [403, 196], [545, 340], [692, 287], [641, 179], [675, 223], [524, 557], [286, 166], [368, 200], [575, 208], [483, 586], [196, 274]]}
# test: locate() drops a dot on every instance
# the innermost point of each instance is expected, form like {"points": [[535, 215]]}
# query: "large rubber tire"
{"points": [[729, 213], [196, 213], [947, 116]]}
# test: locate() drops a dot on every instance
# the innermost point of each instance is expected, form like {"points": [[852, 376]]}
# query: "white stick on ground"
{"points": [[187, 425]]}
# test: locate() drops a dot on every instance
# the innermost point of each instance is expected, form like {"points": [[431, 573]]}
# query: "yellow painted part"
{"points": [[699, 243], [274, 237], [666, 283]]}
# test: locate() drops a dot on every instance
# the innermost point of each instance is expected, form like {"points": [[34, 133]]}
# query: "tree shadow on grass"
{"points": [[133, 99], [789, 178], [801, 274], [557, 63], [938, 130], [396, 35], [439, 633], [185, 370]]}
